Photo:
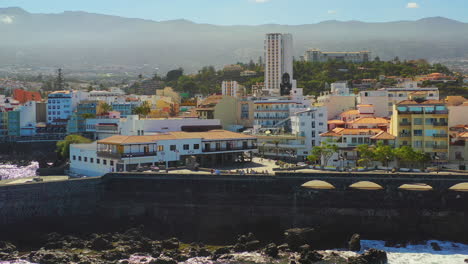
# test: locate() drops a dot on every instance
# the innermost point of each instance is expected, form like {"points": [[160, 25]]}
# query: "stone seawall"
{"points": [[217, 208]]}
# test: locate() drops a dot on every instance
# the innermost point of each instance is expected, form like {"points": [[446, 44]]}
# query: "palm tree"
{"points": [[103, 108]]}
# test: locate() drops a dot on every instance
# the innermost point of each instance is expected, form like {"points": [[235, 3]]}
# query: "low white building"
{"points": [[127, 153]]}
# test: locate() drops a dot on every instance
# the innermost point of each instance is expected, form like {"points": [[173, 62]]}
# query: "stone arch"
{"points": [[421, 187], [366, 185], [318, 185], [460, 187]]}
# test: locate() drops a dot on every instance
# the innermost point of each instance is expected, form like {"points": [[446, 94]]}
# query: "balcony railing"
{"points": [[439, 147], [440, 135], [440, 124], [125, 155], [405, 123], [229, 149], [405, 134]]}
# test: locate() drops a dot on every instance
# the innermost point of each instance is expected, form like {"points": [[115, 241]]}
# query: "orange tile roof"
{"points": [[209, 135], [330, 134], [370, 120], [463, 135], [336, 121], [365, 105], [350, 112], [383, 136]]}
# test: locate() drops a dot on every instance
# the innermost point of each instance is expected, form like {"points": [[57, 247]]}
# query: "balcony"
{"points": [[229, 149], [440, 124], [115, 155], [405, 123], [439, 147], [440, 135], [405, 134]]}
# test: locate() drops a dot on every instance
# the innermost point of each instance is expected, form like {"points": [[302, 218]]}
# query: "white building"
{"points": [[379, 99], [134, 126], [232, 88], [309, 124], [338, 100], [278, 61], [316, 55], [127, 153], [61, 104], [113, 95]]}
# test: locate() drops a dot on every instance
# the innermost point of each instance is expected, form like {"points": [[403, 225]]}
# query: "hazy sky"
{"points": [[229, 12]]}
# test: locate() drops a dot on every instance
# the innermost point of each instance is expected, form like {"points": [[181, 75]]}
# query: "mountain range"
{"points": [[80, 40]]}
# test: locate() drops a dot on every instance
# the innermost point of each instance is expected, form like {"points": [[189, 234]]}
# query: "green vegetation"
{"points": [[143, 110], [103, 108], [324, 151], [63, 147], [405, 155]]}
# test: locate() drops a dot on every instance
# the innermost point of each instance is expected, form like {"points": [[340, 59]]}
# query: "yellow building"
{"points": [[220, 107], [169, 92], [422, 125]]}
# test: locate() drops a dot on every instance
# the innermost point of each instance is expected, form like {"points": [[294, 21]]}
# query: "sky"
{"points": [[254, 12]]}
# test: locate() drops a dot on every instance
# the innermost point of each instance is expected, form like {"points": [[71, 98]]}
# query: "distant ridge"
{"points": [[81, 39]]}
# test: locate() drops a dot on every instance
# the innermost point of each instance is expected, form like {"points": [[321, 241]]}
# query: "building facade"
{"points": [[278, 61], [316, 55]]}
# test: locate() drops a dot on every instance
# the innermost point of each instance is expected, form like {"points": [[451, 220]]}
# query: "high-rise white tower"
{"points": [[278, 60]]}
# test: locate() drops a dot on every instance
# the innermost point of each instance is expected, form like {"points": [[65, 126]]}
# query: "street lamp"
{"points": [[437, 158]]}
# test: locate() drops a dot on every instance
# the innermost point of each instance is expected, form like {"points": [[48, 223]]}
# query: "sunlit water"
{"points": [[16, 172], [411, 254]]}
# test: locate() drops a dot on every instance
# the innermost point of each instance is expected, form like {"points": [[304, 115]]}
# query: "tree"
{"points": [[88, 115], [143, 110], [313, 158], [325, 151], [103, 108], [63, 147], [174, 75], [383, 153], [366, 154]]}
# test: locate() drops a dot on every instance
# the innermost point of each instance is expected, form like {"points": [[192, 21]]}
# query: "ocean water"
{"points": [[451, 253], [16, 172]]}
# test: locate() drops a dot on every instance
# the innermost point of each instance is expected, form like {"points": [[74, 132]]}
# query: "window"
{"points": [[218, 146], [173, 147], [320, 115], [418, 121], [320, 124], [160, 148], [79, 158], [313, 124], [85, 159], [98, 161], [196, 146], [418, 132], [74, 157], [186, 146], [91, 160], [104, 162], [112, 163]]}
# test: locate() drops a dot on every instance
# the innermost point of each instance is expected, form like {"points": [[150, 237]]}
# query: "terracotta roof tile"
{"points": [[209, 135], [383, 136], [370, 120]]}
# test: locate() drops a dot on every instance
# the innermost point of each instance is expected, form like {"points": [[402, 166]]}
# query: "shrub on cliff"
{"points": [[63, 147]]}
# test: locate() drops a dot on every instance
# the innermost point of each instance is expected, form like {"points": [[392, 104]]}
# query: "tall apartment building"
{"points": [[423, 126], [61, 104], [232, 88], [316, 55], [278, 61]]}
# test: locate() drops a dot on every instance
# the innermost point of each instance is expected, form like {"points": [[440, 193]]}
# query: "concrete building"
{"points": [[61, 104], [232, 88], [126, 153], [278, 61], [379, 99], [423, 126], [458, 110], [316, 55], [336, 103], [458, 151], [223, 108]]}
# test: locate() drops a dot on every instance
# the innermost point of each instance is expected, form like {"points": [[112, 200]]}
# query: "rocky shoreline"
{"points": [[300, 246]]}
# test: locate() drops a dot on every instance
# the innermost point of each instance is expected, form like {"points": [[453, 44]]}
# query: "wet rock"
{"points": [[203, 252], [172, 243], [252, 245], [395, 244], [354, 243], [297, 237], [49, 257], [222, 251], [435, 246], [466, 260], [163, 260], [372, 256], [271, 250], [239, 247], [251, 237], [308, 257], [284, 247], [100, 243], [115, 255], [7, 251], [242, 239], [304, 248]]}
